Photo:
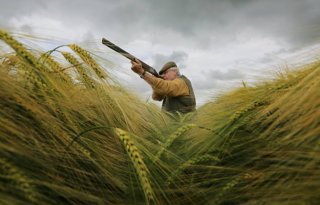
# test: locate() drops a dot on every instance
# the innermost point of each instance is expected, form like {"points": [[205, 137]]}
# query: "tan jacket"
{"points": [[172, 88]]}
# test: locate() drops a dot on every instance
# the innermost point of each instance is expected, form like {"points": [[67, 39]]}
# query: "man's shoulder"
{"points": [[184, 79], [180, 79]]}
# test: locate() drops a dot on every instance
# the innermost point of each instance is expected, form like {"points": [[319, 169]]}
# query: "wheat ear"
{"points": [[171, 138], [138, 163]]}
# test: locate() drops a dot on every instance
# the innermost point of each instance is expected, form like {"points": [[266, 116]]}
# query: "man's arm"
{"points": [[162, 87], [156, 96]]}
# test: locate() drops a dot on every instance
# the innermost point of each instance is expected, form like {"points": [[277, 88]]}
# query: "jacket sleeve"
{"points": [[171, 88], [157, 96]]}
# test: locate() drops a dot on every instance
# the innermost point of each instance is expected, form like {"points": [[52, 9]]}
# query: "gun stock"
{"points": [[117, 49]]}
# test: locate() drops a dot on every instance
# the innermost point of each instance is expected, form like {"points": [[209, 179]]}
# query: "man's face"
{"points": [[169, 75]]}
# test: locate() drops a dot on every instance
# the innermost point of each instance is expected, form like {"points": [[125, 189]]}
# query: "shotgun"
{"points": [[117, 49]]}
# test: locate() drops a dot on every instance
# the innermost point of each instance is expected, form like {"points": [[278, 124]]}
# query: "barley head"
{"points": [[81, 70], [86, 57]]}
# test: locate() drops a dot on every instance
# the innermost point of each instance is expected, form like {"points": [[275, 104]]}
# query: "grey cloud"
{"points": [[204, 84], [216, 79], [201, 23], [223, 20], [19, 7], [178, 56], [295, 22], [27, 29], [208, 83], [219, 22], [230, 74]]}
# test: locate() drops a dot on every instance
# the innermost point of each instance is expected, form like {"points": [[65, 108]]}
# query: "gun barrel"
{"points": [[129, 56]]}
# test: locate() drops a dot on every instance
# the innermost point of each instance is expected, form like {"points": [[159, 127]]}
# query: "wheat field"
{"points": [[70, 134]]}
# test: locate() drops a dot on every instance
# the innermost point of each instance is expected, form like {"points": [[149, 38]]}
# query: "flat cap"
{"points": [[166, 66]]}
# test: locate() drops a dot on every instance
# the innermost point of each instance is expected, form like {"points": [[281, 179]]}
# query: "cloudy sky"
{"points": [[216, 43]]}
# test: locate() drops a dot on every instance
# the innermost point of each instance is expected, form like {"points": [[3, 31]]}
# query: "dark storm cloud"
{"points": [[293, 21], [204, 22]]}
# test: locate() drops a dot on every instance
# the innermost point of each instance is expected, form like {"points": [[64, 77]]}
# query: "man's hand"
{"points": [[137, 66]]}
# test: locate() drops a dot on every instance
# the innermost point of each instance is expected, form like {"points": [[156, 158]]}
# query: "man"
{"points": [[173, 88]]}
